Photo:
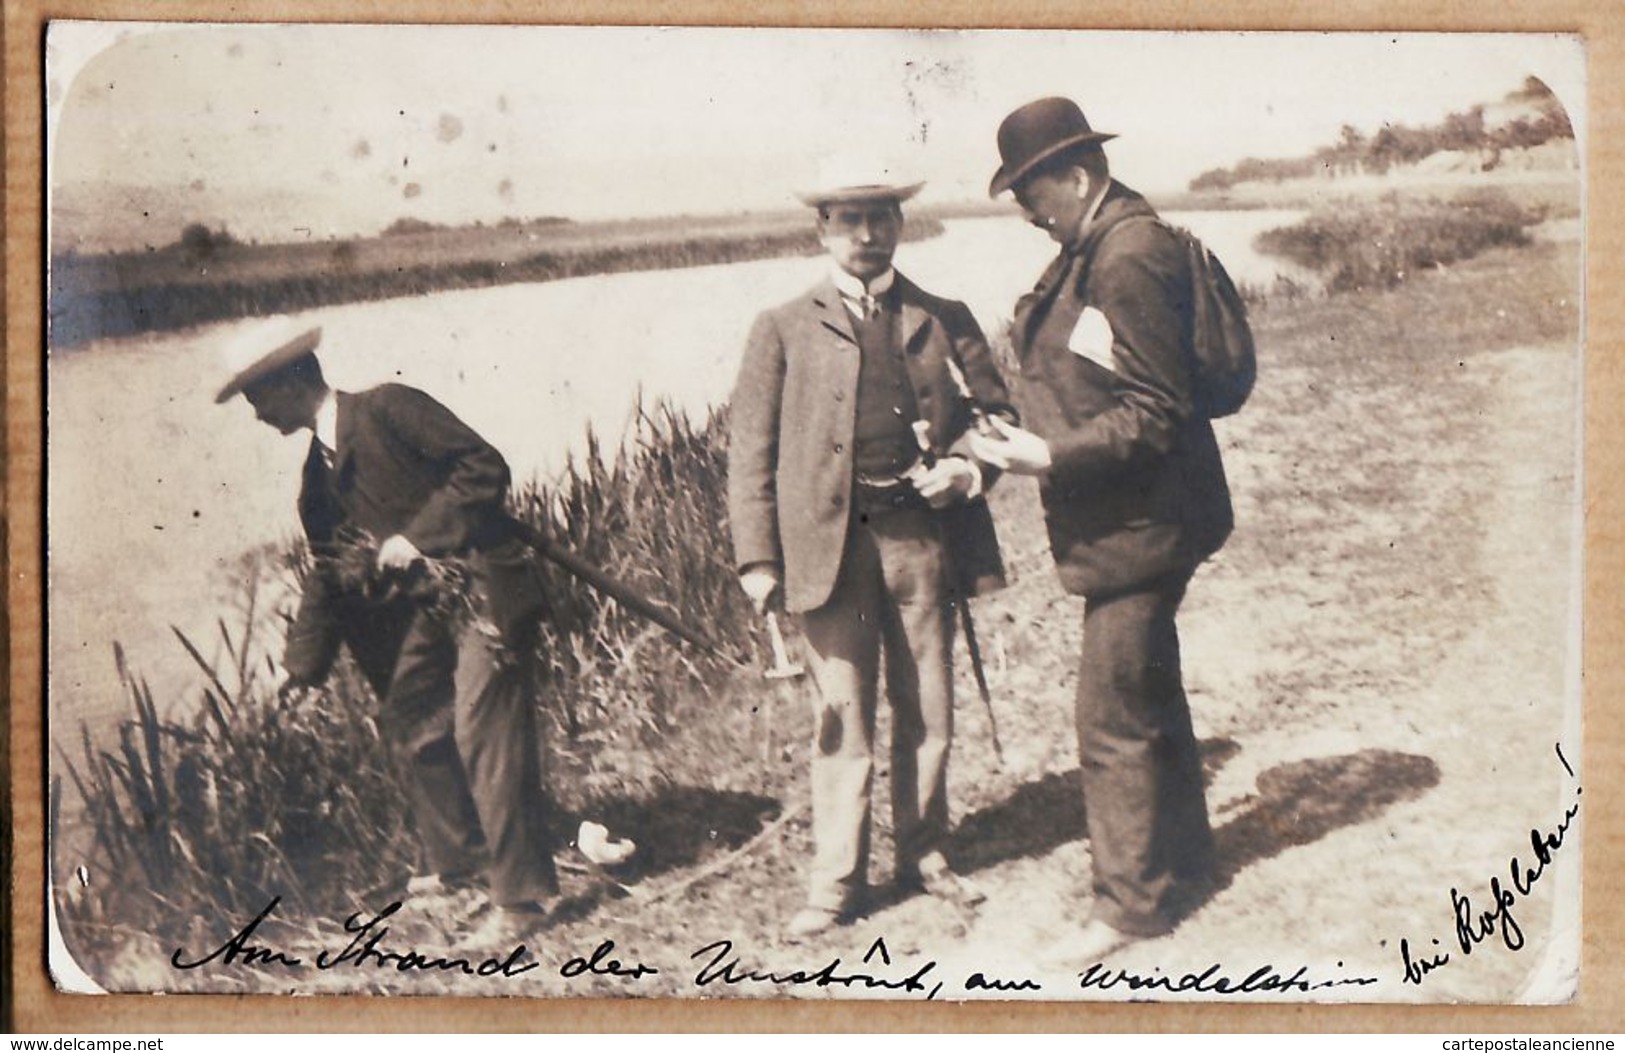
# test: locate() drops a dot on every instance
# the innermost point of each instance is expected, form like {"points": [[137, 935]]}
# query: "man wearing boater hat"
{"points": [[854, 503], [392, 468], [1135, 498]]}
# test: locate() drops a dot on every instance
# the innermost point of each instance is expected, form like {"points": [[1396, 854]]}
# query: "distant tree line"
{"points": [[413, 225], [1397, 144]]}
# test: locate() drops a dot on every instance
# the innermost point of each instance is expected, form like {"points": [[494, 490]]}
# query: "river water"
{"points": [[154, 491]]}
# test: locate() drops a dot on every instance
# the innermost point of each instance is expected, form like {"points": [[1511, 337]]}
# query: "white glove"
{"points": [[397, 553], [761, 582], [949, 481]]}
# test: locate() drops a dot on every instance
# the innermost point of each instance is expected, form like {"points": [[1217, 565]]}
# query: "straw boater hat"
{"points": [[1036, 132], [849, 178], [264, 349]]}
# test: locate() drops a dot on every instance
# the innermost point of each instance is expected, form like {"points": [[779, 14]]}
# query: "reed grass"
{"points": [[253, 795], [652, 513]]}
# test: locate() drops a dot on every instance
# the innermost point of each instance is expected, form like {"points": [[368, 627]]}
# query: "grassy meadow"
{"points": [[1387, 476]]}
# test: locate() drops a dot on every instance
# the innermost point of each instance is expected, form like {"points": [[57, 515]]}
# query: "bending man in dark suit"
{"points": [[835, 514], [1135, 498], [392, 466]]}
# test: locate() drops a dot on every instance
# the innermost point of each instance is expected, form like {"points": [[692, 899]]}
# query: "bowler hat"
{"points": [[265, 349], [1035, 132], [845, 177]]}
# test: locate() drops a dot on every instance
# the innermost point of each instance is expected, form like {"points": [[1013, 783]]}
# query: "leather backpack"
{"points": [[1223, 358]]}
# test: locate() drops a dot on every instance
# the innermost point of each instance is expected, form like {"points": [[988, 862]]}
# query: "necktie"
{"points": [[870, 306], [319, 504]]}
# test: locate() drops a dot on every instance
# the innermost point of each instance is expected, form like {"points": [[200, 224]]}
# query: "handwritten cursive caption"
{"points": [[363, 951], [720, 965], [1475, 923]]}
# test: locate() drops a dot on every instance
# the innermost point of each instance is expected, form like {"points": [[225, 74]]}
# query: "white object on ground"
{"points": [[595, 843]]}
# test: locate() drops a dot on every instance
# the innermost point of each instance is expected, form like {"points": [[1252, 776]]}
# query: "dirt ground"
{"points": [[1382, 666]]}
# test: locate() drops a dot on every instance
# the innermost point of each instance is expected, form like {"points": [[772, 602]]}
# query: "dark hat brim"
{"points": [[271, 363], [872, 192], [1005, 178]]}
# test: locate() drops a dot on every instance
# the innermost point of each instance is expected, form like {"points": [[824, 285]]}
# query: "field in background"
{"points": [[208, 276]]}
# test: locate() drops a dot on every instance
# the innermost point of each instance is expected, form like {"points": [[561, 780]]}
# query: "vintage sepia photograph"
{"points": [[777, 513]]}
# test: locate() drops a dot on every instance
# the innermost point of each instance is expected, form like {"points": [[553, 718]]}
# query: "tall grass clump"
{"points": [[653, 514], [247, 797], [252, 795], [1377, 245]]}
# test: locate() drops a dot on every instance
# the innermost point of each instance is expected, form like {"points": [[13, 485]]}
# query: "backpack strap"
{"points": [[1089, 258]]}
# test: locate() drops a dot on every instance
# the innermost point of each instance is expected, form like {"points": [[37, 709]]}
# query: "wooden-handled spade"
{"points": [[783, 668]]}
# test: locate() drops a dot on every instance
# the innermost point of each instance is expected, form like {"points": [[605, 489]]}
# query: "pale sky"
{"points": [[343, 128]]}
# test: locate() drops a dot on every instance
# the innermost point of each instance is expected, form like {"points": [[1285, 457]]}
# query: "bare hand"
{"points": [[1013, 449], [762, 583], [397, 553], [949, 481]]}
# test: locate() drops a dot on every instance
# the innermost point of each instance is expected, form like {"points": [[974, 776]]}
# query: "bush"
{"points": [[199, 244], [1377, 245], [410, 225]]}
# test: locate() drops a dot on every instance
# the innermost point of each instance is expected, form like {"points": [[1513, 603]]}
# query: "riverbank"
{"points": [[210, 277], [1402, 570]]}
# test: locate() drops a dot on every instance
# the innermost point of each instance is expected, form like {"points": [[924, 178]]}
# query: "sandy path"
{"points": [[1484, 716], [1351, 813]]}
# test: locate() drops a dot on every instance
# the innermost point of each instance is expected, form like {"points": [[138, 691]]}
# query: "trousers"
{"points": [[460, 720], [890, 600], [1149, 838]]}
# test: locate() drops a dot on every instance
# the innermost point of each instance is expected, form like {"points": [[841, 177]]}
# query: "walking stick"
{"points": [[975, 651], [618, 591], [922, 438]]}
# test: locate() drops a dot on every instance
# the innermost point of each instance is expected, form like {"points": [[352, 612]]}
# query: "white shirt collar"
{"points": [[327, 422], [852, 287], [1093, 210]]}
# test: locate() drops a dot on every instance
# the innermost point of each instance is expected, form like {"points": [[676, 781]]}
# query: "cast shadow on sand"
{"points": [[1296, 803], [1043, 815], [1300, 802]]}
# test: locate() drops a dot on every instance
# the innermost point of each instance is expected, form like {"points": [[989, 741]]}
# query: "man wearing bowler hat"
{"points": [[391, 469], [1135, 498], [854, 502]]}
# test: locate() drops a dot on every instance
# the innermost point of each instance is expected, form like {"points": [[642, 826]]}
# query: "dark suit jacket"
{"points": [[793, 417], [404, 464], [1137, 489]]}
